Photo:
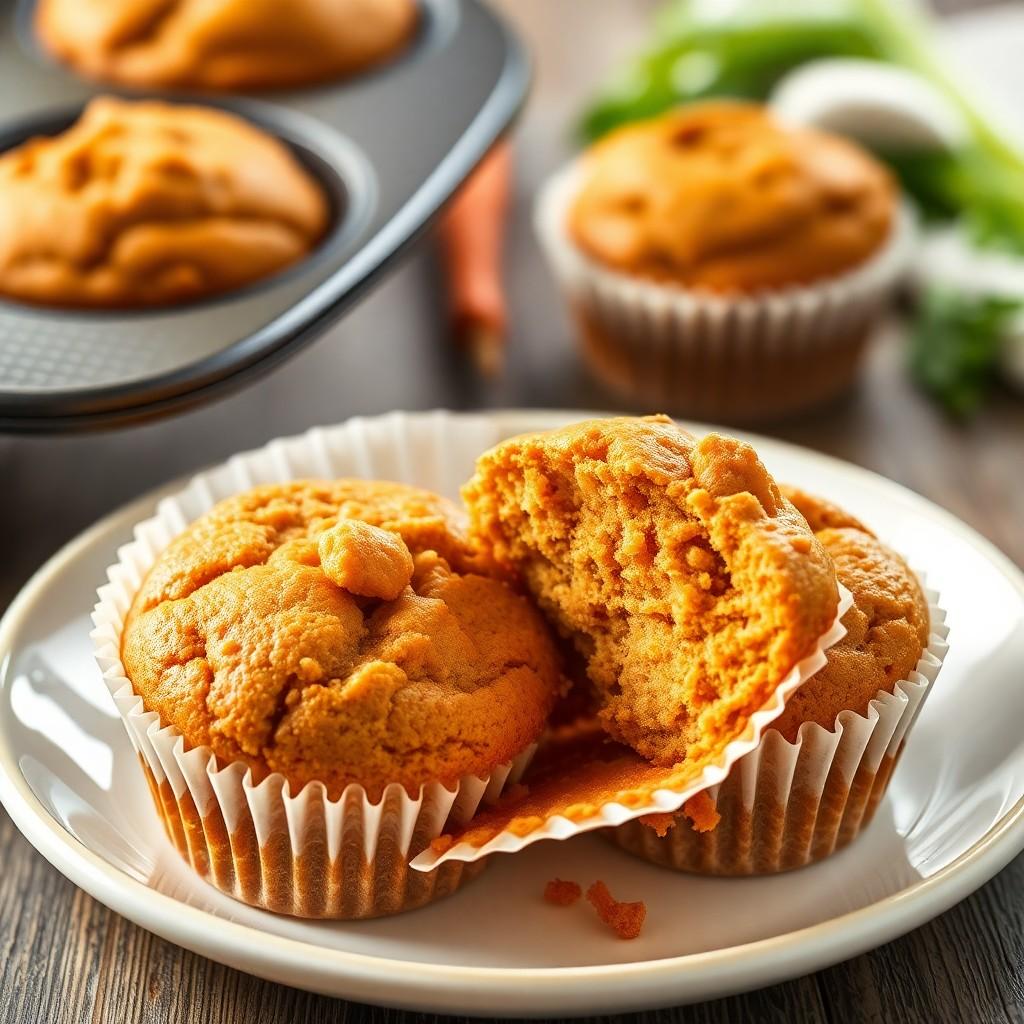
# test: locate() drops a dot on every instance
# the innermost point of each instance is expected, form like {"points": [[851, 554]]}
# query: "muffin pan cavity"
{"points": [[388, 148]]}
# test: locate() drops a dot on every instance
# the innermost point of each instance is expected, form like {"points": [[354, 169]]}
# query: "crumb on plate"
{"points": [[562, 893], [625, 919]]}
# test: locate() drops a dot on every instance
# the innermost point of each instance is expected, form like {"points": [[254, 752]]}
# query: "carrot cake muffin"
{"points": [[339, 631], [223, 44], [757, 822], [722, 196], [155, 204], [722, 261], [689, 584]]}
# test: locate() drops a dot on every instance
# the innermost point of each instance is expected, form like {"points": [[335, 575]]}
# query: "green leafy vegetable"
{"points": [[740, 53], [742, 49], [954, 349]]}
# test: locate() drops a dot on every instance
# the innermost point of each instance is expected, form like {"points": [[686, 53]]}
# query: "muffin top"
{"points": [[156, 203], [338, 631], [886, 628], [723, 197], [688, 584], [223, 44]]}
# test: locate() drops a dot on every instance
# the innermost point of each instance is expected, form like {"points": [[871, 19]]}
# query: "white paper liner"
{"points": [[662, 800], [301, 854], [786, 805], [696, 351]]}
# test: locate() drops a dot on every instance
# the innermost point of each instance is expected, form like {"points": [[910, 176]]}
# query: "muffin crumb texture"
{"points": [[562, 893], [157, 203], [625, 919], [688, 584], [340, 631], [723, 197]]}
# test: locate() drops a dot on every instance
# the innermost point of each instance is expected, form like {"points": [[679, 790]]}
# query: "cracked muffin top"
{"points": [[223, 44], [886, 628], [157, 203], [687, 582], [340, 631], [721, 196]]}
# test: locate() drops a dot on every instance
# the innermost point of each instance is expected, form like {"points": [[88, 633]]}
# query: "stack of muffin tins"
{"points": [[387, 146]]}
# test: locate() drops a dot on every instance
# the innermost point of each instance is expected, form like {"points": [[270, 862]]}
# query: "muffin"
{"points": [[157, 204], [223, 44], [723, 262], [687, 583], [822, 767], [334, 648]]}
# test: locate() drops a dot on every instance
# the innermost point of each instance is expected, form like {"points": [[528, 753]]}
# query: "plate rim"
{"points": [[473, 989]]}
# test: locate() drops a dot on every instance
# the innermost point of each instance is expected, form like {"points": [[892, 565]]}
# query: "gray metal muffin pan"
{"points": [[389, 146]]}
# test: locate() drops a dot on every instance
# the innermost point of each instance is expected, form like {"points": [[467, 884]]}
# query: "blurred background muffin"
{"points": [[223, 44], [722, 263], [157, 204], [720, 196]]}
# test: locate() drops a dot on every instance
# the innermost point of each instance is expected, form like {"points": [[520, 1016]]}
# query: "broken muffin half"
{"points": [[688, 583]]}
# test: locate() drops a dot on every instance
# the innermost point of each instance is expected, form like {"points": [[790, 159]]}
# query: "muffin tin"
{"points": [[389, 147]]}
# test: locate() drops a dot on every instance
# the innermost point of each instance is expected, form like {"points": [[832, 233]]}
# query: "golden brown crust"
{"points": [[246, 642], [820, 513], [721, 196], [562, 893], [223, 44], [685, 579], [887, 627], [157, 203]]}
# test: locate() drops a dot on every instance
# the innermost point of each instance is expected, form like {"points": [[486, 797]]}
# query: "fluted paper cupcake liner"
{"points": [[301, 853], [740, 357], [785, 805], [575, 813]]}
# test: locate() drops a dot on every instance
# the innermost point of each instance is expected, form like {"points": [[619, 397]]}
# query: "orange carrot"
{"points": [[471, 233]]}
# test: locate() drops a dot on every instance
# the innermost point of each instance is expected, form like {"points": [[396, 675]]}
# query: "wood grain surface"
{"points": [[64, 957]]}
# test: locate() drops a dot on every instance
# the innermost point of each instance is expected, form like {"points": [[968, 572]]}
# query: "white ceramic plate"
{"points": [[953, 817]]}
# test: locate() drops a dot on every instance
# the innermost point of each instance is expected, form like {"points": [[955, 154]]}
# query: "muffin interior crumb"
{"points": [[682, 576], [562, 893], [625, 919]]}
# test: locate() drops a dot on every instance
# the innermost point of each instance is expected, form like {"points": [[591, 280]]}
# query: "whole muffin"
{"points": [[722, 261], [805, 794], [319, 677], [338, 631], [723, 197], [223, 44], [156, 204], [687, 582]]}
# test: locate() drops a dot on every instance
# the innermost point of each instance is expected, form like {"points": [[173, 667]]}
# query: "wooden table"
{"points": [[64, 957]]}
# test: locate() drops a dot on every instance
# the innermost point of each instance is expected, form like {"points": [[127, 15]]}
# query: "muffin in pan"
{"points": [[224, 44], [332, 677], [156, 204], [722, 262], [820, 771]]}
